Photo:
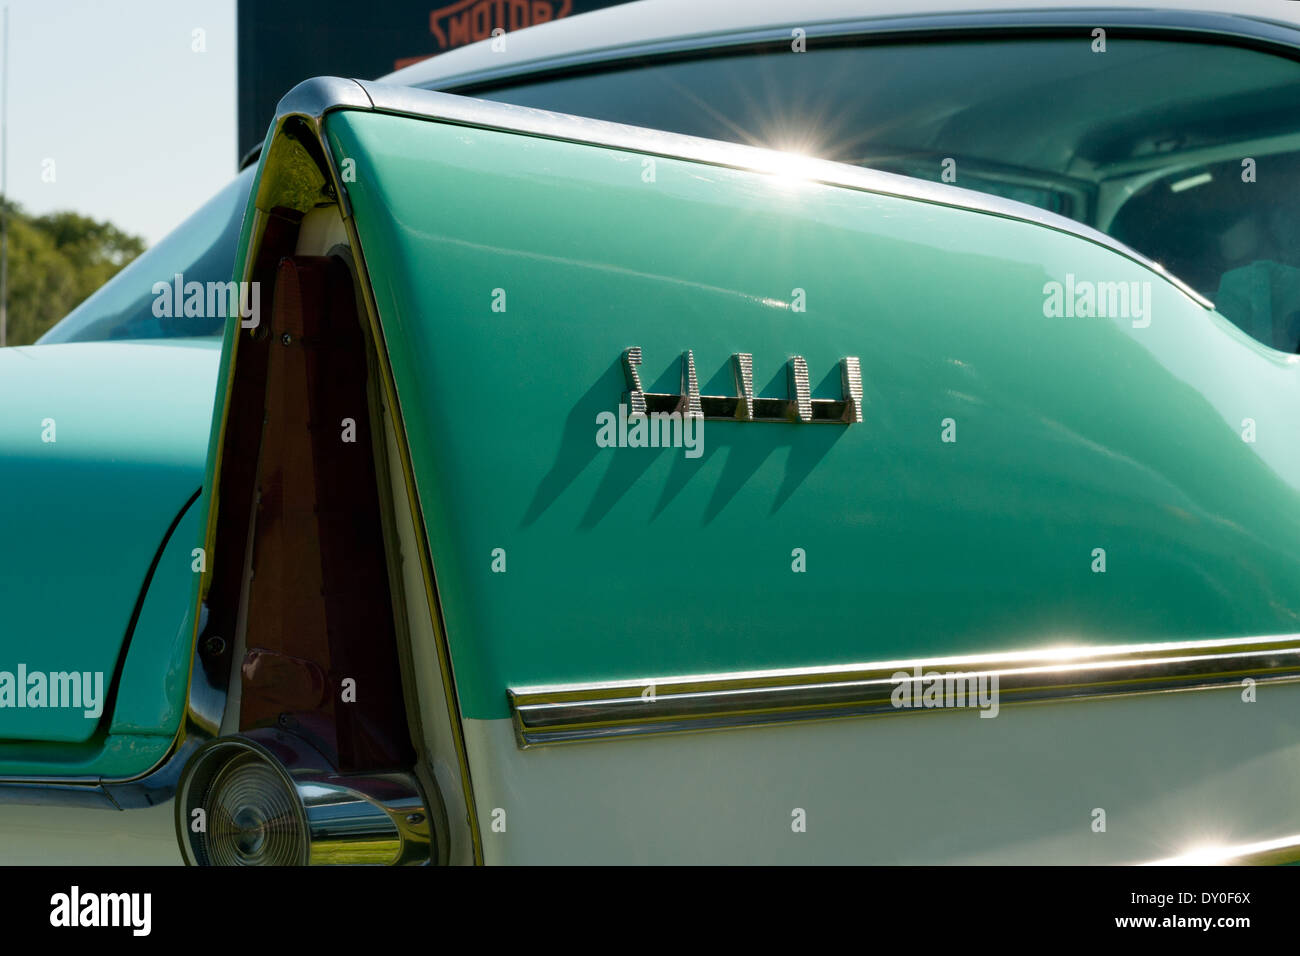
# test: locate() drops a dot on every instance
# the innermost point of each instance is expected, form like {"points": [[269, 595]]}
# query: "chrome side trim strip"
{"points": [[505, 117], [565, 713], [1261, 853]]}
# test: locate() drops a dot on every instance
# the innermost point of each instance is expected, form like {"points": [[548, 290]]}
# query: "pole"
{"points": [[4, 191]]}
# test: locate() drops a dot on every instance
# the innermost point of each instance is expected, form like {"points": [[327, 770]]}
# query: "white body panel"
{"points": [[64, 836], [1173, 772]]}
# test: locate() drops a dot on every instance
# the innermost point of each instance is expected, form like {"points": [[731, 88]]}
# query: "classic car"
{"points": [[690, 433]]}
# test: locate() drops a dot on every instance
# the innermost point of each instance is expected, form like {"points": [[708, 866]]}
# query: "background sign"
{"points": [[283, 43]]}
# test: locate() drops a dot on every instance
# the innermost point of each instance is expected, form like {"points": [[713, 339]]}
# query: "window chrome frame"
{"points": [[1268, 35]]}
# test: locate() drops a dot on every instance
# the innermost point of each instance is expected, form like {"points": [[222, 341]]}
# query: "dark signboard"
{"points": [[282, 43]]}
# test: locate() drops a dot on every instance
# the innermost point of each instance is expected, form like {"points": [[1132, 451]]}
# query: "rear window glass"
{"points": [[201, 249]]}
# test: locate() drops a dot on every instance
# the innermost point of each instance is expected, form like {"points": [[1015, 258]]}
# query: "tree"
{"points": [[55, 262]]}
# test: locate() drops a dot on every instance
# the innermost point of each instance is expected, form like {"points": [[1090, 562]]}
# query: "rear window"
{"points": [[201, 249]]}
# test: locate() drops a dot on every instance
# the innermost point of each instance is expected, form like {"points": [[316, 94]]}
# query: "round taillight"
{"points": [[273, 802]]}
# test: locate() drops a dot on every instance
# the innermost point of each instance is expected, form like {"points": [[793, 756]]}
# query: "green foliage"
{"points": [[55, 262]]}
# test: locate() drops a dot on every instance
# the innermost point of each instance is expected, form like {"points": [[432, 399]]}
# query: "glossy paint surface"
{"points": [[1072, 434], [83, 517], [151, 697]]}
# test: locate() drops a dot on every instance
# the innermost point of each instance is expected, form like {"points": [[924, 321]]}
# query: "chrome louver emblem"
{"points": [[745, 406]]}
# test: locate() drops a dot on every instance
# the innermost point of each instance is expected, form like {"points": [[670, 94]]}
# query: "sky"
{"points": [[113, 102]]}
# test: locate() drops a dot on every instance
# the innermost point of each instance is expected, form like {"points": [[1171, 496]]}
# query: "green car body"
{"points": [[1131, 441], [1060, 468], [106, 548]]}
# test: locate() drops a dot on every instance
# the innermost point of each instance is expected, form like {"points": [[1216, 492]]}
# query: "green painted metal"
{"points": [[1072, 433], [111, 756], [155, 679], [82, 518]]}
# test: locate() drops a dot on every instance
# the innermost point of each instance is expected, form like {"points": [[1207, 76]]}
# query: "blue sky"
{"points": [[140, 127]]}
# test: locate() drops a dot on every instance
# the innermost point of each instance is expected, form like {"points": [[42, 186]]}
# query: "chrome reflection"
{"points": [[266, 798], [1281, 851], [565, 713]]}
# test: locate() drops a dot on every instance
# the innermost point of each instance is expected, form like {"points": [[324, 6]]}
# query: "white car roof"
{"points": [[647, 22]]}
